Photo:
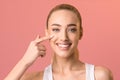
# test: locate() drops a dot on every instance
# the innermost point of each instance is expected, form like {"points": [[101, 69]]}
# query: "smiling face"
{"points": [[65, 26]]}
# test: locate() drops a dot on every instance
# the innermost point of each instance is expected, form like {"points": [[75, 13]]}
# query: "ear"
{"points": [[46, 32], [80, 37], [81, 34]]}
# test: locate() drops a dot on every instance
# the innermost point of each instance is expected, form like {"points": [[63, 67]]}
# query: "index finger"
{"points": [[38, 39]]}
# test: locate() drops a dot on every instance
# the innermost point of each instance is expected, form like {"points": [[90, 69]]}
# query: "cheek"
{"points": [[53, 39], [74, 37], [75, 40]]}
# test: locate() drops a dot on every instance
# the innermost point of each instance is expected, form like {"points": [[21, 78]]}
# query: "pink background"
{"points": [[22, 20]]}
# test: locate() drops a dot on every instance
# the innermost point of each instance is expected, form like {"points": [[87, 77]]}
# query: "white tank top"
{"points": [[89, 72]]}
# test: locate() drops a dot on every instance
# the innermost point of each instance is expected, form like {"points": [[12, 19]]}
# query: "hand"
{"points": [[35, 50]]}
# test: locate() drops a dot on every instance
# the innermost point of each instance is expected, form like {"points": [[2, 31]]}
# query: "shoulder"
{"points": [[103, 73], [33, 76]]}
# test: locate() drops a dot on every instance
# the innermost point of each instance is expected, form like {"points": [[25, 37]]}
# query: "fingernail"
{"points": [[51, 36], [37, 37]]}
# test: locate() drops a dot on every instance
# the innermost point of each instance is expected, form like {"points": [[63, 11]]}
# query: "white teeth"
{"points": [[63, 45]]}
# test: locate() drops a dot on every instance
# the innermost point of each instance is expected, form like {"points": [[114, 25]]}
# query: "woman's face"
{"points": [[64, 24]]}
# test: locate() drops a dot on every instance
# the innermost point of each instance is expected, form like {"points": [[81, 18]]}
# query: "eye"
{"points": [[55, 30], [72, 30]]}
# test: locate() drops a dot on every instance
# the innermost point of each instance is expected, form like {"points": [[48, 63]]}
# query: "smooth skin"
{"points": [[66, 65]]}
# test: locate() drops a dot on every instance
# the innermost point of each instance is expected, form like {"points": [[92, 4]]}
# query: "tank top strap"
{"points": [[89, 72], [48, 73]]}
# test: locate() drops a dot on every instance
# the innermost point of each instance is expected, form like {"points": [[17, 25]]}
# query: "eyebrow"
{"points": [[60, 25], [56, 25], [71, 25]]}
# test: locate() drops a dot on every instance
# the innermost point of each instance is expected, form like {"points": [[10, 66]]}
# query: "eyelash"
{"points": [[69, 30], [72, 30], [55, 30]]}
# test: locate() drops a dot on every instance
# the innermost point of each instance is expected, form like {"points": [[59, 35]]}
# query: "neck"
{"points": [[64, 65]]}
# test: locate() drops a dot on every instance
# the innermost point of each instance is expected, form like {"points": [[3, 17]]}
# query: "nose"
{"points": [[64, 36]]}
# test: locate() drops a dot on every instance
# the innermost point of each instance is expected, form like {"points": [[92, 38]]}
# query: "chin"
{"points": [[63, 54]]}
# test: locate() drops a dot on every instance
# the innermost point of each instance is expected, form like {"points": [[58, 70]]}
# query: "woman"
{"points": [[64, 30]]}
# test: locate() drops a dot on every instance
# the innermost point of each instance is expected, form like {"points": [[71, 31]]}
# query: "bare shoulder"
{"points": [[33, 76], [103, 73]]}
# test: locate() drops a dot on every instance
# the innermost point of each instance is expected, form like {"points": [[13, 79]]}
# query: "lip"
{"points": [[63, 46]]}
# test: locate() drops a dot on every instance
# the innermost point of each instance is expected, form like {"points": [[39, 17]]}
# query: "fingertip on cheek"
{"points": [[54, 37]]}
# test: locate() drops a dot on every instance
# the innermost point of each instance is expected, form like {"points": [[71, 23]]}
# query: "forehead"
{"points": [[65, 11], [63, 16]]}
